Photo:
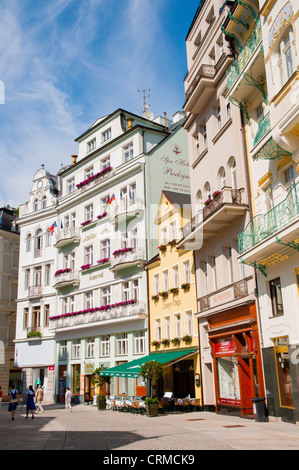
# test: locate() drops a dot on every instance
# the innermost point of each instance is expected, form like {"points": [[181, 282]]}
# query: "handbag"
{"points": [[14, 400]]}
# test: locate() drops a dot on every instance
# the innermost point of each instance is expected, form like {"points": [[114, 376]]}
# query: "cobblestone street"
{"points": [[86, 428]]}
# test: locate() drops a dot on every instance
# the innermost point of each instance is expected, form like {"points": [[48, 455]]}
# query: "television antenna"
{"points": [[145, 104]]}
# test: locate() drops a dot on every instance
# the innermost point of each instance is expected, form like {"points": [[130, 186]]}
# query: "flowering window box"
{"points": [[94, 177], [122, 251], [165, 342], [101, 216], [85, 266], [86, 222], [103, 308], [62, 271], [176, 341], [187, 338], [207, 202], [173, 290], [162, 247], [155, 297], [215, 194], [172, 242], [103, 261], [155, 343], [186, 285], [163, 293]]}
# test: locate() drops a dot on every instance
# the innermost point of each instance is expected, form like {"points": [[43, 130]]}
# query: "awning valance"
{"points": [[132, 369]]}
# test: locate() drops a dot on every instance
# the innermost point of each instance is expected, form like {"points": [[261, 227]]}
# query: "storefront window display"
{"points": [[283, 372], [76, 379], [228, 380]]}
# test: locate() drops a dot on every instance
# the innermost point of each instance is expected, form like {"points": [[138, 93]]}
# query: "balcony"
{"points": [[132, 258], [264, 226], [236, 69], [67, 279], [204, 84], [127, 210], [67, 236], [231, 293], [264, 126], [219, 213], [35, 291], [95, 180], [115, 314]]}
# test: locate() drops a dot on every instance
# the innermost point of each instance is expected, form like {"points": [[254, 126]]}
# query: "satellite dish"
{"points": [[146, 105], [148, 115]]}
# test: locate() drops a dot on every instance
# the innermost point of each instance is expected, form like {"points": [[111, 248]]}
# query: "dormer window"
{"points": [[91, 145], [106, 135]]}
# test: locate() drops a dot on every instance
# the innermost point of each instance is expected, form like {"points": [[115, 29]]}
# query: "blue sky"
{"points": [[65, 63]]}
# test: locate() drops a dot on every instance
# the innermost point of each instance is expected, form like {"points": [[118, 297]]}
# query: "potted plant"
{"points": [[155, 297], [152, 406], [162, 247], [155, 343], [152, 371], [215, 194], [185, 285], [165, 342], [187, 338], [173, 290], [164, 293], [101, 401], [34, 334]]}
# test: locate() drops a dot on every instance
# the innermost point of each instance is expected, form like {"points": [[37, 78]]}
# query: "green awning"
{"points": [[133, 368]]}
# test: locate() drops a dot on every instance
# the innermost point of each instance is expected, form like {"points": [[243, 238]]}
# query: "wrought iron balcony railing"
{"points": [[235, 69], [264, 225], [264, 127]]}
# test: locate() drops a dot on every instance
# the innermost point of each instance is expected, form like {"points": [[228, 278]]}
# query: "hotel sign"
{"points": [[222, 297]]}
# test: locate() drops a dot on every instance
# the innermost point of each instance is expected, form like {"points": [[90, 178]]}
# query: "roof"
{"points": [[179, 199]]}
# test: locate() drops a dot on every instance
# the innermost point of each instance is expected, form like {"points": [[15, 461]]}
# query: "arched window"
{"points": [[207, 191], [28, 242], [198, 200], [38, 241], [222, 178], [44, 202], [233, 172], [286, 56], [35, 205]]}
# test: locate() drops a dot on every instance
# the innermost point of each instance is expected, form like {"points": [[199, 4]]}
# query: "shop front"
{"points": [[238, 376]]}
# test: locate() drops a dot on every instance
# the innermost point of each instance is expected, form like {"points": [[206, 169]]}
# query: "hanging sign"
{"points": [[223, 348]]}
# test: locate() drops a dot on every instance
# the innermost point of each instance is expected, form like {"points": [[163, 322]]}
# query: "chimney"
{"points": [[74, 157], [130, 121]]}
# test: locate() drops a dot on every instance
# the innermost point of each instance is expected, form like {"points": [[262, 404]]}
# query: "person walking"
{"points": [[13, 402], [67, 399], [39, 398], [29, 400]]}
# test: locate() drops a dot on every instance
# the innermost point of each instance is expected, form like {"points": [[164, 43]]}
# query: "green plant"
{"points": [[185, 285], [164, 293], [100, 380], [155, 343], [155, 297], [151, 401], [101, 397], [176, 341], [187, 338], [152, 371], [173, 290], [165, 342], [34, 333]]}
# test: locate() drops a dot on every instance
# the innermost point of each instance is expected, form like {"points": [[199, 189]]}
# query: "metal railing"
{"points": [[264, 225], [264, 127]]}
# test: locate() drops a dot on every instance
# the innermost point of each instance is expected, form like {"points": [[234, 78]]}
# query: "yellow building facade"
{"points": [[173, 300]]}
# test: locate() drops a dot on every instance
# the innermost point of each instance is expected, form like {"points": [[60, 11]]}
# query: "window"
{"points": [[213, 266], [164, 238], [38, 242], [167, 328], [218, 118], [135, 288], [71, 303], [189, 322], [89, 299], [289, 174], [65, 305], [128, 152], [104, 203], [276, 297], [269, 199], [105, 249], [165, 280], [89, 212], [222, 177], [44, 202], [26, 318], [207, 191], [133, 193], [63, 351], [212, 57], [140, 342], [283, 366], [27, 278], [46, 315], [73, 219], [35, 205], [122, 344], [90, 347], [259, 113], [177, 325], [28, 242], [37, 276], [71, 185], [106, 162], [156, 286], [91, 145], [47, 274], [173, 231], [89, 172], [76, 349], [106, 296], [186, 272], [234, 174], [286, 56], [175, 277], [228, 111], [105, 345], [89, 254], [126, 291], [134, 241], [230, 264], [106, 135], [36, 318], [158, 332]]}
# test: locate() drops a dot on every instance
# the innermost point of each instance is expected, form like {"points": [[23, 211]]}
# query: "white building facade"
{"points": [[103, 235]]}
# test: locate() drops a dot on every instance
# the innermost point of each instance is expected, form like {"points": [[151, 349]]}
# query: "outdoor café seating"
{"points": [[167, 404]]}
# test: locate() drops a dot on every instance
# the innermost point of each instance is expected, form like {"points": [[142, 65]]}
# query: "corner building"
{"points": [[102, 236], [229, 339]]}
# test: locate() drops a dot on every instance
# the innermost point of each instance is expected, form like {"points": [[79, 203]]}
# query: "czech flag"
{"points": [[52, 228]]}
